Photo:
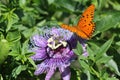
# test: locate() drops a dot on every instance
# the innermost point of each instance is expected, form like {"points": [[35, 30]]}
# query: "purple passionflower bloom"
{"points": [[53, 47]]}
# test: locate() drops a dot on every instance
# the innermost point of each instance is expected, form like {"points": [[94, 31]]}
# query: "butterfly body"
{"points": [[85, 26]]}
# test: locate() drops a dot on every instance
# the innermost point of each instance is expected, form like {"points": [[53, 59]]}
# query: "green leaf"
{"points": [[13, 36], [12, 19], [13, 53], [41, 23], [19, 27], [25, 47], [1, 78], [108, 21], [95, 72], [4, 50], [29, 17], [29, 32], [103, 48], [50, 1], [91, 54], [66, 5], [78, 49], [112, 78], [75, 74], [3, 7], [1, 36], [15, 48], [113, 66], [116, 5], [84, 64], [32, 62], [22, 3], [89, 76], [16, 71], [118, 43], [104, 59], [22, 58], [94, 47]]}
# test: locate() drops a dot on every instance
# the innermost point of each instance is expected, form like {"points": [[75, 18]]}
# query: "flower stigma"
{"points": [[55, 43]]}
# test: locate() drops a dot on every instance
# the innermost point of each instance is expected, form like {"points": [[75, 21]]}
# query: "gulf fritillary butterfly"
{"points": [[85, 26]]}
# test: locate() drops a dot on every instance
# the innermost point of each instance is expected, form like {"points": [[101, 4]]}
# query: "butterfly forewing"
{"points": [[70, 28], [85, 23], [87, 15]]}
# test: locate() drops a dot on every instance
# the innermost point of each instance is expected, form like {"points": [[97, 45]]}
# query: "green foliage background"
{"points": [[20, 19]]}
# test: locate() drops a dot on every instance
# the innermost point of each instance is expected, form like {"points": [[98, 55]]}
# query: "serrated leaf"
{"points": [[25, 47], [84, 64], [12, 19], [103, 48], [112, 64], [32, 62], [13, 53], [91, 53], [103, 59], [16, 71], [78, 49], [93, 47], [20, 68]]}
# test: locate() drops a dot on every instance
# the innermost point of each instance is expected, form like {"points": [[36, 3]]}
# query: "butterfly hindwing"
{"points": [[87, 15]]}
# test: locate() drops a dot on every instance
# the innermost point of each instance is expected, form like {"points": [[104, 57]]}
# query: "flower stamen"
{"points": [[54, 43]]}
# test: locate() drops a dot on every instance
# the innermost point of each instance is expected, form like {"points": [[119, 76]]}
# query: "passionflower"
{"points": [[53, 48]]}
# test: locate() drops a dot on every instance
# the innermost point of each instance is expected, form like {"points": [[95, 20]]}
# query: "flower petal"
{"points": [[72, 56], [65, 34], [50, 73], [39, 41], [40, 54], [65, 72], [40, 69], [55, 32], [85, 53]]}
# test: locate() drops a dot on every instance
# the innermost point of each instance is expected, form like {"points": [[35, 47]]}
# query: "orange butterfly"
{"points": [[85, 26]]}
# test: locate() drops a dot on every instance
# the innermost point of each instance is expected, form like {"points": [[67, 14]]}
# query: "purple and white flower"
{"points": [[53, 47]]}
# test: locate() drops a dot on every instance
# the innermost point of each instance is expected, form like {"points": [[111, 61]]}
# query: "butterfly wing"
{"points": [[85, 26], [70, 28], [74, 29]]}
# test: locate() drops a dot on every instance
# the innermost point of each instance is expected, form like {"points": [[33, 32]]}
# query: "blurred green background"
{"points": [[20, 19]]}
